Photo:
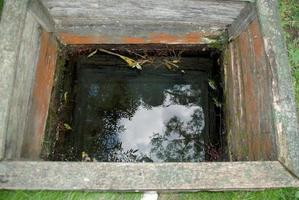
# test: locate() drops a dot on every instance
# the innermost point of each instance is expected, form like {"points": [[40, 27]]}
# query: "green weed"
{"points": [[289, 13]]}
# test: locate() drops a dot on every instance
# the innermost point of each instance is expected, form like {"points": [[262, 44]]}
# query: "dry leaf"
{"points": [[67, 126], [92, 53]]}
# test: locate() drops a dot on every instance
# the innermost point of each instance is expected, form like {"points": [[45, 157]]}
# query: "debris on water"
{"points": [[164, 113], [67, 126], [85, 157], [65, 97], [217, 103], [131, 62], [212, 84], [92, 53], [170, 64]]}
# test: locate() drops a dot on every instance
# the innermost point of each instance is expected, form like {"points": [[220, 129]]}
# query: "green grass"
{"points": [[289, 13], [44, 195], [1, 6], [289, 10], [278, 194]]}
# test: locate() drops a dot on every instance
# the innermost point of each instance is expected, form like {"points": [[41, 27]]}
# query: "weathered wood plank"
{"points": [[216, 14], [247, 15], [11, 29], [251, 135], [144, 176], [42, 15], [164, 35], [285, 115], [265, 133], [40, 98], [22, 88]]}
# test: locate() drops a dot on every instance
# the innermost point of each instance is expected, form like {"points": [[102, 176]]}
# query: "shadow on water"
{"points": [[153, 115]]}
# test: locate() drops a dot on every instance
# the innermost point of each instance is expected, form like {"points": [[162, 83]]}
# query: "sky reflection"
{"points": [[139, 130]]}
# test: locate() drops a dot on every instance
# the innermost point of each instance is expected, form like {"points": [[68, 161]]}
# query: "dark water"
{"points": [[155, 115]]}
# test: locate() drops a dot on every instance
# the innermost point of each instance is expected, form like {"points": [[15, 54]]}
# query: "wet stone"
{"points": [[153, 115]]}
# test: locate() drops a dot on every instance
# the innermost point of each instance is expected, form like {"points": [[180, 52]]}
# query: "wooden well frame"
{"points": [[29, 45]]}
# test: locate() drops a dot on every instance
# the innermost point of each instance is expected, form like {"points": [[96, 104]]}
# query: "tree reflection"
{"points": [[181, 142], [184, 94], [108, 100], [115, 101]]}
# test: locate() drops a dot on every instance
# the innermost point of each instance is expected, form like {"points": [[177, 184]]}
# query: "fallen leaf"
{"points": [[217, 103], [131, 62], [92, 53], [65, 96], [212, 84], [67, 126]]}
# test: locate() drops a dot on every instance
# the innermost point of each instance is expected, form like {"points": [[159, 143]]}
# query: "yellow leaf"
{"points": [[65, 96], [212, 84], [92, 53], [131, 62], [217, 103], [168, 66], [67, 126]]}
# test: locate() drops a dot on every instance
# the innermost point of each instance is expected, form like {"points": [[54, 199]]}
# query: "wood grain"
{"points": [[249, 119], [144, 176], [40, 98], [247, 15], [284, 106], [101, 15], [20, 101], [42, 15], [11, 30]]}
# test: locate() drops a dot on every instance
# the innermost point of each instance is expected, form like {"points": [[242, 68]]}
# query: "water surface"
{"points": [[156, 115]]}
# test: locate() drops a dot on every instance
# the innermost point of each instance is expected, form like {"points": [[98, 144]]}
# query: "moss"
{"points": [[1, 7], [56, 102], [217, 42]]}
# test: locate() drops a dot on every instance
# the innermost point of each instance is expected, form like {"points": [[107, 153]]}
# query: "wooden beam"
{"points": [[40, 98], [11, 30], [284, 106], [164, 37], [22, 89], [126, 15], [96, 176], [42, 15], [247, 15]]}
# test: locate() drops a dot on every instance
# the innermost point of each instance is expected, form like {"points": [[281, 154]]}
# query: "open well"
{"points": [[169, 110], [214, 86]]}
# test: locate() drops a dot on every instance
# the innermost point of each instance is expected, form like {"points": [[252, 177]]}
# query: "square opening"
{"points": [[222, 62], [169, 111], [188, 103], [219, 70]]}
